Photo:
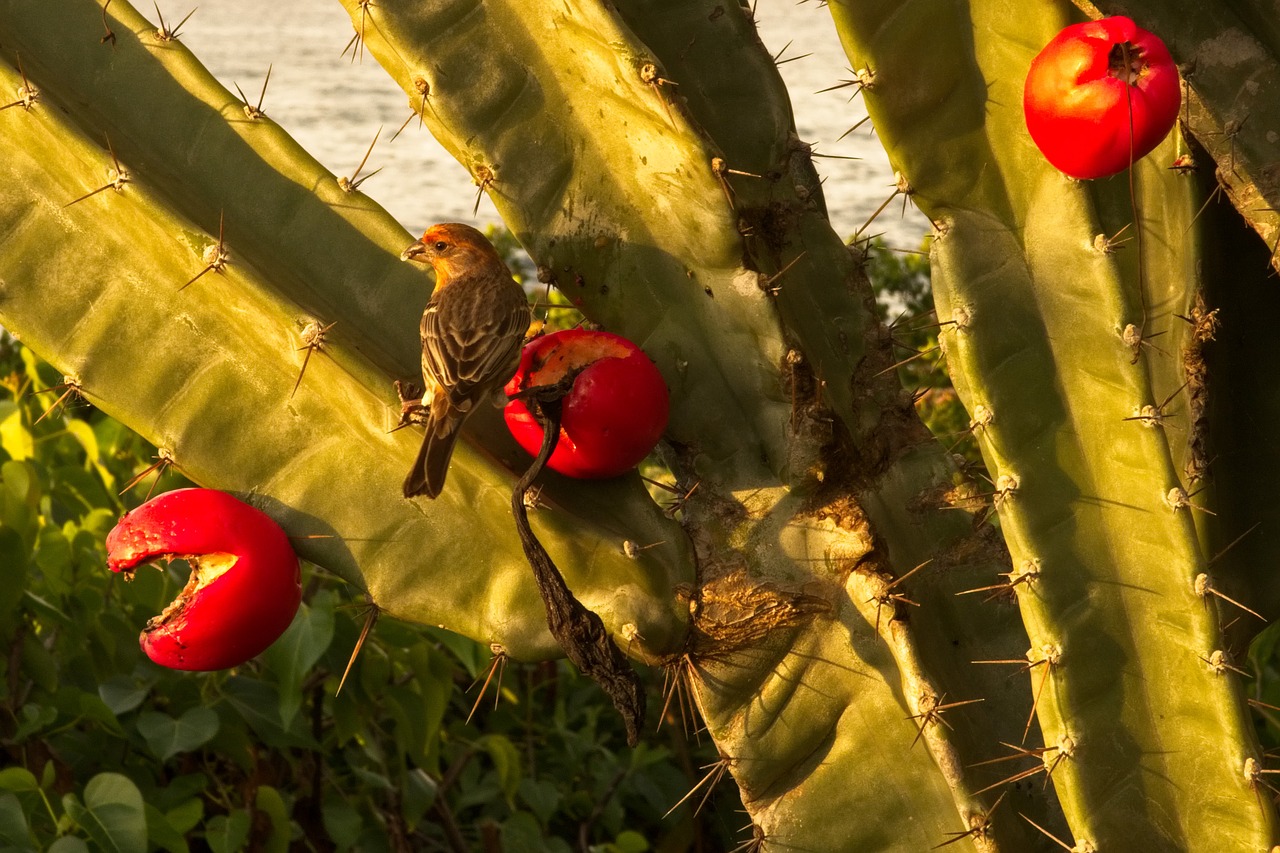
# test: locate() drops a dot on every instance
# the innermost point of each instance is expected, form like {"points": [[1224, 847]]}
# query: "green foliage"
{"points": [[904, 300], [102, 747]]}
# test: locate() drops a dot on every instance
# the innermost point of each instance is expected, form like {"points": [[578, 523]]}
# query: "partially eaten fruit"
{"points": [[245, 585], [612, 417]]}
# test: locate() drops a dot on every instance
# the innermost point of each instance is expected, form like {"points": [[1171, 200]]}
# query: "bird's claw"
{"points": [[411, 409]]}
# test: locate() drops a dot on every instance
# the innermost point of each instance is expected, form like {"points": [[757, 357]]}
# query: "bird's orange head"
{"points": [[453, 250]]}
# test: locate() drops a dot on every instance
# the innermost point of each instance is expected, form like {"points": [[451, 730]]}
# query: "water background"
{"points": [[333, 107]]}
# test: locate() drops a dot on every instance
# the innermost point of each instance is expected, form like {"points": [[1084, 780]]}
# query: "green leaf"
{"points": [[68, 844], [34, 718], [418, 793], [629, 841], [122, 695], [88, 707], [293, 655], [44, 608], [112, 813], [15, 438], [541, 796], [14, 832], [13, 569], [167, 737], [186, 815], [228, 834], [521, 831], [506, 760], [53, 557], [342, 821], [270, 803], [18, 779], [162, 833], [84, 433], [258, 703]]}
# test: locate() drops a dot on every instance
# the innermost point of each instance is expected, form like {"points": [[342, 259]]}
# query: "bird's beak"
{"points": [[416, 249]]}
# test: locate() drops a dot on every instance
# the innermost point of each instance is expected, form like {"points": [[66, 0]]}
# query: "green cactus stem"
{"points": [[1053, 348]]}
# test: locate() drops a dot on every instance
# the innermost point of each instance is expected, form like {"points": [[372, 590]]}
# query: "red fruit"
{"points": [[1087, 86], [612, 417], [244, 588]]}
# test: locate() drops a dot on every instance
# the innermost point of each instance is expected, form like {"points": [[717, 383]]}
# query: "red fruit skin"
{"points": [[1078, 114], [236, 615], [614, 414]]}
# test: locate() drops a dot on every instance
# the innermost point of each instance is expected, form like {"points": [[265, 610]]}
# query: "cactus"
{"points": [[1054, 339], [810, 602]]}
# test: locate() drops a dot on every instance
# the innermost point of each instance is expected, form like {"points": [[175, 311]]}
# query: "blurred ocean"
{"points": [[333, 107]]}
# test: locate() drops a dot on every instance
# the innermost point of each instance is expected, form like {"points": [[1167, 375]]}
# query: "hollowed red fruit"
{"points": [[244, 588], [1089, 85], [612, 417]]}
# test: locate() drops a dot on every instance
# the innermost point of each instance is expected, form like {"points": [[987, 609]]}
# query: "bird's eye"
{"points": [[441, 245]]}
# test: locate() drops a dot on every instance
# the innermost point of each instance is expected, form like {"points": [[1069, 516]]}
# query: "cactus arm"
{"points": [[1149, 737], [172, 123], [205, 371]]}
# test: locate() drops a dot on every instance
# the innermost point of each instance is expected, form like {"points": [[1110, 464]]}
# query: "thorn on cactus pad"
{"points": [[983, 417], [1104, 245], [255, 112], [483, 177], [715, 772], [1153, 416], [651, 77], [28, 95], [777, 57], [1220, 662], [754, 843], [677, 685], [313, 334], [1025, 574], [1047, 759], [215, 256], [164, 459], [1081, 846], [1178, 499], [885, 596], [356, 44], [70, 387], [350, 185], [1050, 657], [165, 32], [498, 665], [1203, 586], [109, 34], [372, 611], [932, 712], [423, 87], [721, 170], [1254, 773], [979, 825], [632, 550], [117, 177], [862, 79]]}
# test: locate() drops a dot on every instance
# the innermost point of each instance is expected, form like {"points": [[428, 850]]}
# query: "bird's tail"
{"points": [[429, 469]]}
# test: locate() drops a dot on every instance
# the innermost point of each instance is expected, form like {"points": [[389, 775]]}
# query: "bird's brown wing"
{"points": [[471, 345]]}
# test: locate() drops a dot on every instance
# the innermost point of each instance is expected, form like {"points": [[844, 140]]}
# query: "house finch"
{"points": [[472, 331]]}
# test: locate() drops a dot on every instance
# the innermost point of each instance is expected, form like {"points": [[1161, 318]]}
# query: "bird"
{"points": [[473, 330]]}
